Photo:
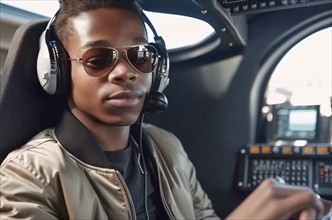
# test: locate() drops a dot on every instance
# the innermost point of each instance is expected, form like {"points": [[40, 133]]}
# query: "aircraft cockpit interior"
{"points": [[264, 109], [250, 100]]}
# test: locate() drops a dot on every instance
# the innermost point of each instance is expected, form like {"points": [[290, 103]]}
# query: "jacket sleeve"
{"points": [[23, 194]]}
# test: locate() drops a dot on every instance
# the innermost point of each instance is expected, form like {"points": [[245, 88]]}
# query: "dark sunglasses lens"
{"points": [[98, 61], [143, 58]]}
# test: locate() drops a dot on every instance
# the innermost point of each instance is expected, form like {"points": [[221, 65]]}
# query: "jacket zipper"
{"points": [[165, 204], [128, 194], [162, 196], [169, 213]]}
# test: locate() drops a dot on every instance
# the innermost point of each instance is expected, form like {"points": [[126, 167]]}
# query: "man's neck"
{"points": [[108, 137]]}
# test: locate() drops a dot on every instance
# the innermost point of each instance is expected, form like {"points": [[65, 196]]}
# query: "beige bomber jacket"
{"points": [[42, 180]]}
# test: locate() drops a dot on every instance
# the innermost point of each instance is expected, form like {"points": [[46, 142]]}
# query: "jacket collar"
{"points": [[79, 141]]}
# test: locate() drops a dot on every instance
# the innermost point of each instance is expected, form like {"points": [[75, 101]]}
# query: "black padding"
{"points": [[156, 102], [25, 108]]}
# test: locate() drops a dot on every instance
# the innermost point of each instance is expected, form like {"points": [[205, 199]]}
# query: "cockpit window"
{"points": [[299, 94], [180, 31], [177, 31], [303, 76]]}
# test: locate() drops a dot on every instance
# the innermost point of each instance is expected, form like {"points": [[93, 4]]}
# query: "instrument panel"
{"points": [[245, 6], [309, 165]]}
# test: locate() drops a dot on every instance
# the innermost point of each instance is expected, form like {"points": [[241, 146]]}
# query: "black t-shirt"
{"points": [[126, 162]]}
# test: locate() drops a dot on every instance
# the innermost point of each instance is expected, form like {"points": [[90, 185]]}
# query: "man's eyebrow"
{"points": [[138, 40], [98, 43], [105, 43]]}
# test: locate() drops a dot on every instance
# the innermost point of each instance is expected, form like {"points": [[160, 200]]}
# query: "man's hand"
{"points": [[273, 200]]}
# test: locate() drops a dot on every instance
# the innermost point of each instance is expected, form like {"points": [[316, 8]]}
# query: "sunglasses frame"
{"points": [[123, 49]]}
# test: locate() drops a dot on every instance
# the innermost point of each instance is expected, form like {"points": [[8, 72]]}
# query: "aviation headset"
{"points": [[53, 67]]}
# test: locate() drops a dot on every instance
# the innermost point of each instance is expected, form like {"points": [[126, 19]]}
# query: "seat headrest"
{"points": [[25, 109]]}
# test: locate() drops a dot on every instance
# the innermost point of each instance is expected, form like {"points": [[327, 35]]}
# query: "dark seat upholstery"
{"points": [[25, 109]]}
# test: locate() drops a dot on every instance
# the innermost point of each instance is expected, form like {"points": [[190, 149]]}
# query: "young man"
{"points": [[97, 163]]}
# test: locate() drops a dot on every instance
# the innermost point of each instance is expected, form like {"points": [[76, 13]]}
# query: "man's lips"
{"points": [[124, 98]]}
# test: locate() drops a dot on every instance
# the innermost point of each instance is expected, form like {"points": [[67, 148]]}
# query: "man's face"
{"points": [[117, 96]]}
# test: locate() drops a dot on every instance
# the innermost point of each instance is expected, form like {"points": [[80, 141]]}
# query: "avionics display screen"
{"points": [[296, 122]]}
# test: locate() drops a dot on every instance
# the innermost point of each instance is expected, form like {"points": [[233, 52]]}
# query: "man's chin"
{"points": [[122, 121]]}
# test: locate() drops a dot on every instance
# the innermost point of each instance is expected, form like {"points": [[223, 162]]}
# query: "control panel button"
{"points": [[272, 3], [284, 2]]}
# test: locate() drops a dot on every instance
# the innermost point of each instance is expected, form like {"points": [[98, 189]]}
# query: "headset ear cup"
{"points": [[156, 102], [53, 66], [160, 78], [44, 65], [64, 70]]}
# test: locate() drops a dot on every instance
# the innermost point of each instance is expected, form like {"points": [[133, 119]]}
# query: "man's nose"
{"points": [[122, 72]]}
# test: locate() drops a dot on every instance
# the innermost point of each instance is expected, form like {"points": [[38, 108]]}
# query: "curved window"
{"points": [[303, 76], [299, 93], [177, 31], [180, 31]]}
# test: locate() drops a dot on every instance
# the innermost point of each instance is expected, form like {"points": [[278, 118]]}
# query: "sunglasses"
{"points": [[98, 61]]}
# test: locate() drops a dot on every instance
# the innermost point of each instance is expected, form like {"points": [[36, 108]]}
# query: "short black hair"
{"points": [[71, 8]]}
